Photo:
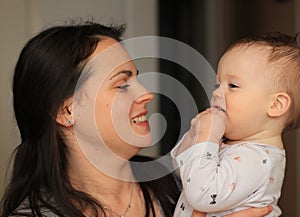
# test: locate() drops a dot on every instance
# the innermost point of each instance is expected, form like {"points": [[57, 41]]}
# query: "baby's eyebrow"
{"points": [[126, 72]]}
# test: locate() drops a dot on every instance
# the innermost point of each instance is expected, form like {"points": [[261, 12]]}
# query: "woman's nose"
{"points": [[145, 97]]}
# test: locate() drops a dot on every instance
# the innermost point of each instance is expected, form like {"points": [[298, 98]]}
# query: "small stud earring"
{"points": [[69, 122]]}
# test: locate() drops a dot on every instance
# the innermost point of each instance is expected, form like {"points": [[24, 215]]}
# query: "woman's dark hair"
{"points": [[46, 74]]}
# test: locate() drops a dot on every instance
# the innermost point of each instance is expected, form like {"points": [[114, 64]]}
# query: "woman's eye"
{"points": [[123, 87], [233, 85]]}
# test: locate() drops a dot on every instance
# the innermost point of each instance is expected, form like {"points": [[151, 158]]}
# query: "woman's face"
{"points": [[120, 102]]}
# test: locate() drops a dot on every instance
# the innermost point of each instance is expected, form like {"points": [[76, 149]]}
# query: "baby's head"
{"points": [[269, 63]]}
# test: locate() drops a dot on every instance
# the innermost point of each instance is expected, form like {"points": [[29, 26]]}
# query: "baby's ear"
{"points": [[279, 105], [64, 115]]}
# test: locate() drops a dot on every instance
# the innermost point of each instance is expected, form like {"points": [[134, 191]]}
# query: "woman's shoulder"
{"points": [[25, 210], [29, 213]]}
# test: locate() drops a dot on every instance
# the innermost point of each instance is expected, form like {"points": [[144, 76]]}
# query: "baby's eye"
{"points": [[231, 85], [123, 87]]}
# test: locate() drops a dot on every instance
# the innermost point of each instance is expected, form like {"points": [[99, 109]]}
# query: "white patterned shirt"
{"points": [[222, 180]]}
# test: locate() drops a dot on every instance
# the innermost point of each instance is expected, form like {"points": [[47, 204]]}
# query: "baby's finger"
{"points": [[198, 214]]}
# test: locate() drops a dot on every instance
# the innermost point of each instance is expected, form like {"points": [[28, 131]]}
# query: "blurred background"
{"points": [[208, 26]]}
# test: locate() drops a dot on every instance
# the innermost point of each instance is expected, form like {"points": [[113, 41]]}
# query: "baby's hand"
{"points": [[209, 126]]}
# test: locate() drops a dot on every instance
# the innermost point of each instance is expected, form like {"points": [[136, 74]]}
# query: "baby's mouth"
{"points": [[219, 108]]}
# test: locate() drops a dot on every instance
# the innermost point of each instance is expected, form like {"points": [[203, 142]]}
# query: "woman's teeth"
{"points": [[140, 119]]}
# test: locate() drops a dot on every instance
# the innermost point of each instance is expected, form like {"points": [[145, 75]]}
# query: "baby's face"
{"points": [[245, 91]]}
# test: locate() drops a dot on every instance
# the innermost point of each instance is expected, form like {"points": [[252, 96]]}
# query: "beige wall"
{"points": [[21, 19], [15, 29]]}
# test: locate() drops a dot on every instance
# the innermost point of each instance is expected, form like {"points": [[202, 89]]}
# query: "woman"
{"points": [[75, 96]]}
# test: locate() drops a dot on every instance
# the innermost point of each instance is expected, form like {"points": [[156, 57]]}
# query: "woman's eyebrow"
{"points": [[126, 72]]}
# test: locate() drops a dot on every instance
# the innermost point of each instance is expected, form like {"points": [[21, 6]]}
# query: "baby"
{"points": [[233, 157]]}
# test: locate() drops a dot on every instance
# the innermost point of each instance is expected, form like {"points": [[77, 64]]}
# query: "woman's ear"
{"points": [[280, 104], [64, 115]]}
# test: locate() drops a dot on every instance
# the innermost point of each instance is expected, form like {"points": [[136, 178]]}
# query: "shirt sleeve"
{"points": [[213, 183]]}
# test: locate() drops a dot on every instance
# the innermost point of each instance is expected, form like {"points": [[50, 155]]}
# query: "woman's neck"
{"points": [[89, 178]]}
